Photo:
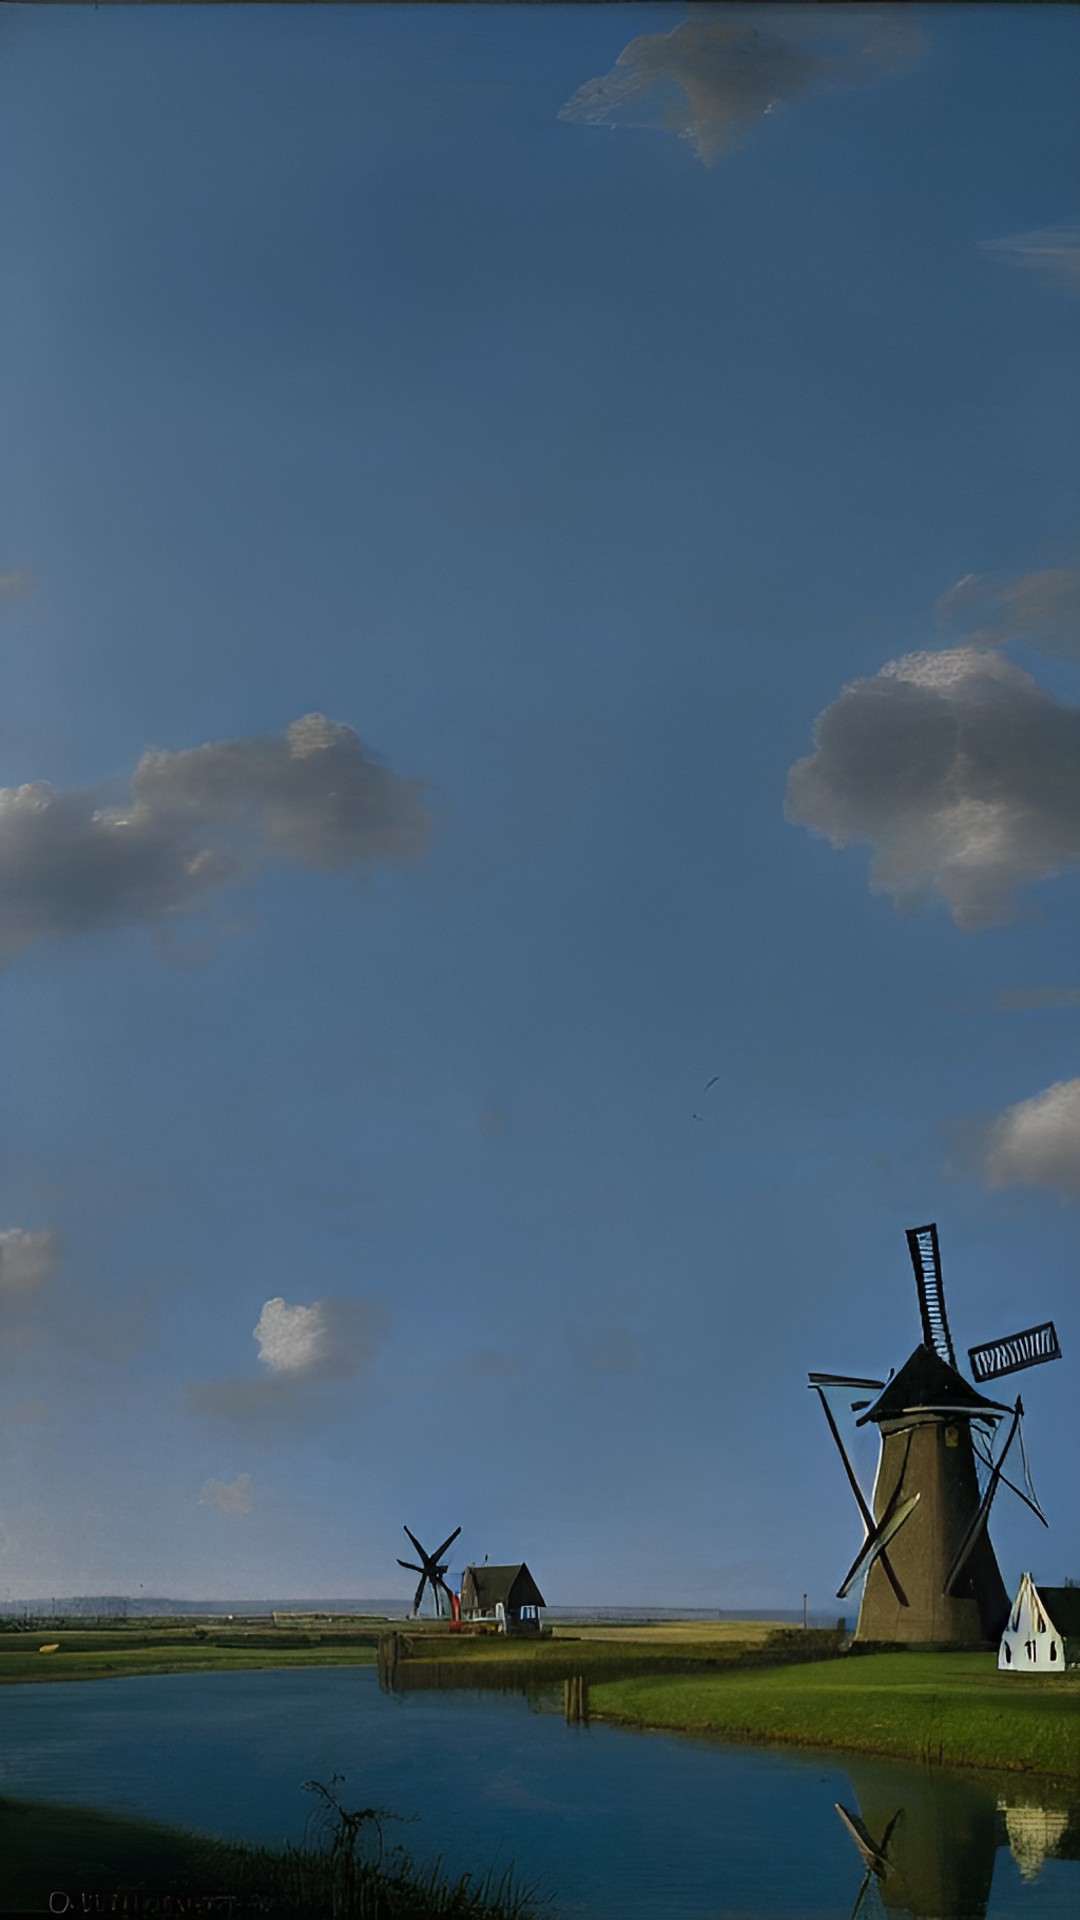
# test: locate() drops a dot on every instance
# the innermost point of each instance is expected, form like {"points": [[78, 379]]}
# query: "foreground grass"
{"points": [[115, 1652], [104, 1863], [949, 1709]]}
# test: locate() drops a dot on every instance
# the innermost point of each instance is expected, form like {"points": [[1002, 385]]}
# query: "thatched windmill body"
{"points": [[930, 1569]]}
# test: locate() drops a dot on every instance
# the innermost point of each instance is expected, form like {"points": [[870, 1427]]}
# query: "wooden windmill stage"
{"points": [[931, 1574]]}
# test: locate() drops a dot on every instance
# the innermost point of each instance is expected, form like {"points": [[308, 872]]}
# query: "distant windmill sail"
{"points": [[1027, 1349], [926, 1260], [431, 1573]]}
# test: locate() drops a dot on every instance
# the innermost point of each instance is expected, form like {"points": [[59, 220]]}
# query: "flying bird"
{"points": [[712, 1082]]}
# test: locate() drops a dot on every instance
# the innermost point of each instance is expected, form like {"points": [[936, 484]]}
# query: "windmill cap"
{"points": [[927, 1381]]}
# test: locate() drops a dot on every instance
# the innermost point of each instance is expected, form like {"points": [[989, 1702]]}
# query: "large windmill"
{"points": [[431, 1575], [931, 1573]]}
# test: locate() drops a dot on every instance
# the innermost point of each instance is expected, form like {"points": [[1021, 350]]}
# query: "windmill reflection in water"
{"points": [[928, 1844]]}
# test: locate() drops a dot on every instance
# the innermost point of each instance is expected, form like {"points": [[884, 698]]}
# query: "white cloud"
{"points": [[1036, 1143], [14, 584], [1051, 252], [71, 862], [301, 1347], [716, 74], [291, 1339], [26, 1259], [227, 1496], [1041, 608], [958, 769]]}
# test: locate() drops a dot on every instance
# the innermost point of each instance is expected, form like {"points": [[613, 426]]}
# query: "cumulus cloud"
{"points": [[26, 1259], [227, 1496], [294, 1339], [958, 769], [1036, 1143], [301, 1347], [13, 585], [314, 797], [718, 73], [1051, 252], [1042, 608]]}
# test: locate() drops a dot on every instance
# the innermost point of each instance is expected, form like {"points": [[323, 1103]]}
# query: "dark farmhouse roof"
{"points": [[1063, 1606], [482, 1587], [926, 1380]]}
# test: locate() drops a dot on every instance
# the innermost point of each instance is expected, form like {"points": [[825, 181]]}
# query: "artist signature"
{"points": [[138, 1904]]}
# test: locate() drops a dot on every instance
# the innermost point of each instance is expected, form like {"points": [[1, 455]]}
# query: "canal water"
{"points": [[617, 1825]]}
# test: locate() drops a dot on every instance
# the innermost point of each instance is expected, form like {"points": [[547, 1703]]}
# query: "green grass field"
{"points": [[108, 1652], [954, 1709]]}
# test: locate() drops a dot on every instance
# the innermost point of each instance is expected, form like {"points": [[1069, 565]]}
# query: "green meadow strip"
{"points": [[938, 1708]]}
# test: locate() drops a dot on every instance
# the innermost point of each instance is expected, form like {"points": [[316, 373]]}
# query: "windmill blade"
{"points": [[1027, 1477], [988, 1461], [424, 1557], [876, 1543], [411, 1564], [1018, 1350], [842, 1380], [881, 1532], [867, 1516], [926, 1260], [977, 1525], [860, 1897], [439, 1551], [419, 1594], [874, 1857]]}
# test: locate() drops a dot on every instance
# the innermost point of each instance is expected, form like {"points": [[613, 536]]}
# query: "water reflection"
{"points": [[618, 1825], [928, 1842], [927, 1838]]}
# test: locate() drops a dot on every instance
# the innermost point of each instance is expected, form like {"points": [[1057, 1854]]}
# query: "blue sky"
{"points": [[574, 435]]}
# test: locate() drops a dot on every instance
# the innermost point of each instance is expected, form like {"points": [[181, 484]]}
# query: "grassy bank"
{"points": [[92, 1857], [110, 1652], [529, 1664], [949, 1709]]}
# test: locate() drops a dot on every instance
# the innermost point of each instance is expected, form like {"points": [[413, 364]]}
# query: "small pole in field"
{"points": [[804, 1612]]}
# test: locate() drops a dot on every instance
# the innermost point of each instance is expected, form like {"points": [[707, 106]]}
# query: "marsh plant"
{"points": [[346, 1871]]}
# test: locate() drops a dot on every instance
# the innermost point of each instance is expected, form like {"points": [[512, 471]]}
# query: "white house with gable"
{"points": [[1042, 1634]]}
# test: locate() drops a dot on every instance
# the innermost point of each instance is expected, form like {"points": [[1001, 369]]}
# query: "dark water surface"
{"points": [[617, 1825]]}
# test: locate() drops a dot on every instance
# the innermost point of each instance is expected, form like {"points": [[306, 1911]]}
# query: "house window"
{"points": [[1053, 1649], [1008, 1654], [952, 1436]]}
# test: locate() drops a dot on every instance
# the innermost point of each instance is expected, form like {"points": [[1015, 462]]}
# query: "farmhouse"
{"points": [[1042, 1634], [509, 1596]]}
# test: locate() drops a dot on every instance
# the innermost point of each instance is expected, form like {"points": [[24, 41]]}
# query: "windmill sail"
{"points": [[1027, 1349], [926, 1260]]}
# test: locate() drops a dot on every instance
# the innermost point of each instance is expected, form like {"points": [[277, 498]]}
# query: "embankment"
{"points": [[948, 1709]]}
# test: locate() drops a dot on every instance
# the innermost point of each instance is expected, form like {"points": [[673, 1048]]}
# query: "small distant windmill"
{"points": [[431, 1575], [930, 1569]]}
